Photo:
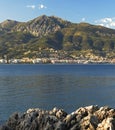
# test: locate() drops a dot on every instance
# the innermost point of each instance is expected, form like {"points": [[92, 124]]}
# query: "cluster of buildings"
{"points": [[56, 60]]}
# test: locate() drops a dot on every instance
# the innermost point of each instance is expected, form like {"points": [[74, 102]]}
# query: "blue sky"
{"points": [[101, 12]]}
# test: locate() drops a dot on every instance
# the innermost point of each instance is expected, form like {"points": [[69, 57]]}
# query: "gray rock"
{"points": [[84, 118]]}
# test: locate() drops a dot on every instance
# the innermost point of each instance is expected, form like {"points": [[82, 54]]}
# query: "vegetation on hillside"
{"points": [[36, 38]]}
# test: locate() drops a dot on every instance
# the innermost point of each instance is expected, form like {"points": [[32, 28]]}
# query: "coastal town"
{"points": [[51, 56], [45, 60]]}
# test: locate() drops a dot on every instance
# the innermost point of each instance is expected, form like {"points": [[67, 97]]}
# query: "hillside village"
{"points": [[57, 57]]}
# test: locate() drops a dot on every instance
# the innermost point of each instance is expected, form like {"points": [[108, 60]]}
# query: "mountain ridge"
{"points": [[29, 39]]}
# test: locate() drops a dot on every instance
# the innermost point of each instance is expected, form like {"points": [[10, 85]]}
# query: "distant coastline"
{"points": [[56, 61]]}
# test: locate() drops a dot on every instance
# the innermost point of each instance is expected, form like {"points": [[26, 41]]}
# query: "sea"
{"points": [[45, 86]]}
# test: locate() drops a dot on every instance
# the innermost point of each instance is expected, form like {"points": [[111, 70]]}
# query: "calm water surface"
{"points": [[47, 86]]}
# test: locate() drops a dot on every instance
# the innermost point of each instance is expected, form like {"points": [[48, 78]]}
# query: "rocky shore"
{"points": [[84, 118]]}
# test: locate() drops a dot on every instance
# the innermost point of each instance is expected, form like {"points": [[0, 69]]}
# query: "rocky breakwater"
{"points": [[84, 118]]}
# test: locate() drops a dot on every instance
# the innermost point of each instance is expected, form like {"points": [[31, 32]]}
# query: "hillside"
{"points": [[54, 37]]}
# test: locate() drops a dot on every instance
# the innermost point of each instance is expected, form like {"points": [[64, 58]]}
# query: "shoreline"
{"points": [[56, 61]]}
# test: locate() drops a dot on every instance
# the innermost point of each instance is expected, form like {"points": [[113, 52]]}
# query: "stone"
{"points": [[106, 124], [61, 114], [84, 118]]}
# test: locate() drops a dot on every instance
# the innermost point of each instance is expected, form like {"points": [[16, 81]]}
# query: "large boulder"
{"points": [[84, 118]]}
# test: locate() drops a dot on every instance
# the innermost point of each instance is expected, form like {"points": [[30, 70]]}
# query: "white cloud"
{"points": [[83, 19], [107, 22], [41, 6], [31, 6]]}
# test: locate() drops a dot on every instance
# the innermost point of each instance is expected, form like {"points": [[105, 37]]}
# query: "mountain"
{"points": [[8, 25], [42, 25], [37, 37]]}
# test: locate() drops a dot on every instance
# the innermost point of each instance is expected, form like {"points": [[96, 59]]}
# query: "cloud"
{"points": [[83, 19], [107, 22], [41, 6], [31, 6]]}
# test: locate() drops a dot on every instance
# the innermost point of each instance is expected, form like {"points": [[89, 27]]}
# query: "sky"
{"points": [[97, 12]]}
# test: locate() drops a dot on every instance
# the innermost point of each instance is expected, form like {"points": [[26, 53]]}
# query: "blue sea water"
{"points": [[47, 86]]}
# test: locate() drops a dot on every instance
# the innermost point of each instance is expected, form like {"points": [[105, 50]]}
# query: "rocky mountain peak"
{"points": [[42, 25], [8, 23]]}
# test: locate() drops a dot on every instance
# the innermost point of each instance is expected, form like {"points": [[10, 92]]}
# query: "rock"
{"points": [[89, 122], [61, 114], [84, 118], [107, 124]]}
